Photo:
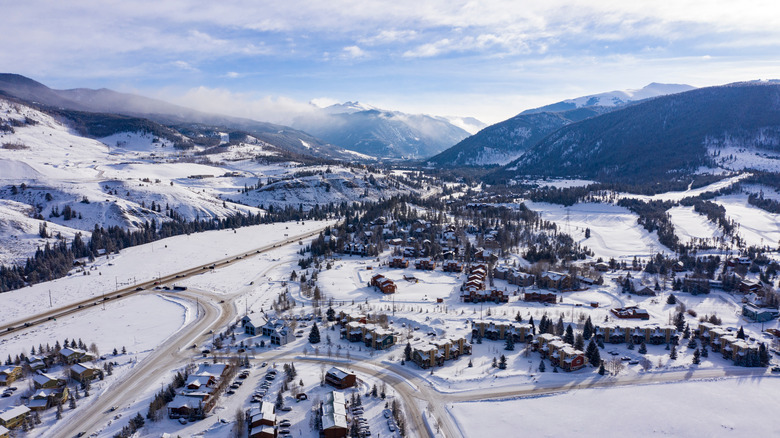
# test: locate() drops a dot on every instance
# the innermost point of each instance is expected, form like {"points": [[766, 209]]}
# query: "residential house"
{"points": [[43, 399], [426, 264], [9, 374], [276, 329], [384, 284], [759, 314], [540, 297], [474, 295], [696, 285], [638, 288], [747, 286], [333, 416], [44, 381], [14, 417], [183, 406], [424, 355], [632, 312], [399, 262], [452, 266], [74, 355], [4, 433], [497, 330], [262, 419], [85, 372], [555, 280], [340, 378]]}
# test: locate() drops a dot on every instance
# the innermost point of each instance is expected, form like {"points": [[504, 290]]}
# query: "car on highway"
{"points": [[264, 364], [139, 289]]}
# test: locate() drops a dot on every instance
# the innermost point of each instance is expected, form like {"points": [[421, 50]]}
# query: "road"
{"points": [[76, 307]]}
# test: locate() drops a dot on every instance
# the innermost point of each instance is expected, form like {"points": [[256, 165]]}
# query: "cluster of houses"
{"points": [[50, 390], [560, 354], [513, 276], [384, 284], [200, 391], [728, 344], [427, 354], [355, 328], [333, 416], [653, 334], [278, 331]]}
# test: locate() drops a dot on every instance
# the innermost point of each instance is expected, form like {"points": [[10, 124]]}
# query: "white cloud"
{"points": [[354, 52]]}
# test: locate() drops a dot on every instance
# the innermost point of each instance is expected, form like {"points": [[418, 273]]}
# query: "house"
{"points": [[333, 416], [426, 264], [424, 355], [474, 295], [451, 266], [9, 374], [45, 398], [85, 372], [43, 381], [540, 297], [4, 432], [601, 267], [632, 312], [183, 406], [638, 288], [340, 378], [747, 286], [14, 417], [759, 314], [384, 284], [73, 355], [264, 415], [555, 280], [277, 329], [253, 324], [398, 262], [522, 279]]}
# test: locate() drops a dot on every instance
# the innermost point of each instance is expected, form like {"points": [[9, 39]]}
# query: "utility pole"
{"points": [[50, 303]]}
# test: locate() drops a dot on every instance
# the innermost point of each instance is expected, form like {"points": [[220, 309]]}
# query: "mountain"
{"points": [[613, 99], [380, 133], [108, 101], [660, 138], [508, 140]]}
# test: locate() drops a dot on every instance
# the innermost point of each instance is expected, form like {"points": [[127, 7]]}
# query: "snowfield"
{"points": [[614, 230], [710, 409], [756, 226], [689, 225]]}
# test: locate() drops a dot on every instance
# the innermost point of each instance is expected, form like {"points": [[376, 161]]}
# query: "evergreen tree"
{"points": [[671, 299], [495, 362], [687, 332], [408, 352], [559, 326], [741, 333], [579, 342], [763, 355], [279, 399], [673, 353], [704, 351], [568, 336], [696, 356], [518, 318], [502, 362], [630, 343], [331, 314], [587, 330], [602, 370], [510, 343], [642, 348], [533, 326], [592, 353], [541, 366], [470, 364], [314, 335], [692, 343]]}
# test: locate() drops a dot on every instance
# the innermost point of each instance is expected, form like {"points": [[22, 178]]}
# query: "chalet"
{"points": [[451, 266], [44, 381], [426, 264], [263, 415], [521, 279], [759, 314], [555, 280], [276, 329], [339, 378], [601, 267], [85, 372], [384, 284], [485, 255], [696, 285], [398, 262], [73, 355], [14, 417], [253, 324], [632, 312], [747, 286], [9, 374], [410, 251], [333, 416], [183, 406], [540, 297]]}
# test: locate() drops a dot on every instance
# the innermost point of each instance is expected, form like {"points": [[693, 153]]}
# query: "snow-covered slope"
{"points": [[614, 98]]}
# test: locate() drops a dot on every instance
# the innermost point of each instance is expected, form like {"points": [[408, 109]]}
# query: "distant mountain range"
{"points": [[659, 138], [508, 140], [381, 133]]}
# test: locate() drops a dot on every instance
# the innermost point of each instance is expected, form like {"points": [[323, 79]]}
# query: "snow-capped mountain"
{"points": [[380, 133], [613, 99]]}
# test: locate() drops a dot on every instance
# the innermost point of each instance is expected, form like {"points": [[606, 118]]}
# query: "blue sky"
{"points": [[488, 59]]}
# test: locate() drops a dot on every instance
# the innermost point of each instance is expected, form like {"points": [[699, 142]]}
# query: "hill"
{"points": [[658, 138]]}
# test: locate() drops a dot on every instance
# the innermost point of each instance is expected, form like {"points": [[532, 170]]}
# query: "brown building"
{"points": [[451, 266], [333, 416], [339, 378], [398, 262], [426, 264], [384, 284], [540, 297]]}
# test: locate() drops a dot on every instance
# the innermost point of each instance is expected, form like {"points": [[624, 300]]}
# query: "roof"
{"points": [[264, 412], [79, 368], [181, 401], [339, 374], [13, 413], [3, 430], [334, 410], [70, 351], [43, 378]]}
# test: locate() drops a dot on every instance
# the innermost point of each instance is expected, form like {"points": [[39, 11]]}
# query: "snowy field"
{"points": [[703, 409], [143, 263], [139, 323], [689, 225], [756, 226], [614, 230], [676, 196]]}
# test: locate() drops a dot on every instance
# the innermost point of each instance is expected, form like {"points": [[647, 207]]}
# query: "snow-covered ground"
{"points": [[756, 226], [614, 230], [143, 263], [680, 409], [678, 195], [689, 225]]}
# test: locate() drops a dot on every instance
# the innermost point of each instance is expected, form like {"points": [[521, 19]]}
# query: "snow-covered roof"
{"points": [[43, 378], [338, 373], [12, 413]]}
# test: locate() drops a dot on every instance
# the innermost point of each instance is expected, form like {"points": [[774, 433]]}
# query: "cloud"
{"points": [[184, 65], [354, 52]]}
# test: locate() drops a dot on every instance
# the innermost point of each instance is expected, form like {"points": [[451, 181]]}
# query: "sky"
{"points": [[487, 59]]}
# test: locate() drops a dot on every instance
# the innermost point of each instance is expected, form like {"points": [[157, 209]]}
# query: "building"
{"points": [[276, 329], [495, 331], [398, 262], [696, 285], [451, 266], [747, 286], [9, 374], [43, 399], [85, 372], [73, 355], [638, 288], [14, 417], [333, 416], [555, 280], [253, 324], [424, 355], [475, 295], [384, 284], [262, 421], [44, 381], [632, 312], [340, 378], [759, 314], [426, 264], [4, 433], [183, 406], [540, 297]]}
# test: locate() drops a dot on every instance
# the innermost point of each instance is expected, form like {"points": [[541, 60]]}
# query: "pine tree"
{"points": [[602, 370], [692, 343], [671, 299], [510, 343], [696, 356], [408, 351], [587, 330], [579, 342], [741, 333], [642, 348], [502, 362], [470, 364], [495, 362], [518, 318], [704, 351], [568, 337], [314, 335], [763, 355], [559, 326], [592, 353], [541, 366], [673, 353], [533, 326]]}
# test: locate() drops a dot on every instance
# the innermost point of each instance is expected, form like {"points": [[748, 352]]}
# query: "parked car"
{"points": [[286, 408], [285, 423], [776, 369]]}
